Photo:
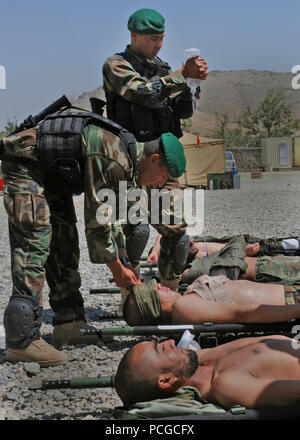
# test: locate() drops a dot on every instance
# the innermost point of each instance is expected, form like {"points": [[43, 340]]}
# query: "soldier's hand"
{"points": [[195, 67], [153, 255], [252, 249], [126, 278]]}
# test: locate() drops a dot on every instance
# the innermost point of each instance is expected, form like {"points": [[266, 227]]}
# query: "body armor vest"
{"points": [[60, 149], [61, 152], [147, 124]]}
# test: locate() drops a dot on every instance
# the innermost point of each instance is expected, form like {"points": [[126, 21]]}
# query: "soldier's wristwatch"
{"points": [[124, 260]]}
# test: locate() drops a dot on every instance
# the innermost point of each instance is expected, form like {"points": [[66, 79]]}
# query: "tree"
{"points": [[9, 128], [222, 120], [271, 118], [186, 124], [233, 137]]}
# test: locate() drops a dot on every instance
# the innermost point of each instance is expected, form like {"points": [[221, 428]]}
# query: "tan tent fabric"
{"points": [[203, 159]]}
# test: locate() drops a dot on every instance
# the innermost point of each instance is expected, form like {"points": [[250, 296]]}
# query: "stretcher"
{"points": [[210, 411]]}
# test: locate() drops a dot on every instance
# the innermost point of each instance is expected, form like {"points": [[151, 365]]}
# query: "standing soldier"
{"points": [[144, 96], [142, 93], [68, 153]]}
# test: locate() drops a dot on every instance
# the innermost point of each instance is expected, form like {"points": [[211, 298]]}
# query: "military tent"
{"points": [[203, 156]]}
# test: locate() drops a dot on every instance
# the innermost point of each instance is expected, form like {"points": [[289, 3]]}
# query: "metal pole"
{"points": [[170, 330], [88, 382]]}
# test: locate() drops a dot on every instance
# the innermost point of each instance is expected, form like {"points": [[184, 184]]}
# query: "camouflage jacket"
{"points": [[120, 77], [107, 163], [144, 96]]}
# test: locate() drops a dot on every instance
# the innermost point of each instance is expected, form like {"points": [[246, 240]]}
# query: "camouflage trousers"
{"points": [[278, 268], [43, 241]]}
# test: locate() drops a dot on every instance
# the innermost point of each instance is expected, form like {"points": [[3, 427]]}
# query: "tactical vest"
{"points": [[146, 124], [61, 152]]}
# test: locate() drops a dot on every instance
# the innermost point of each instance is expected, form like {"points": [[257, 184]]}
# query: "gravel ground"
{"points": [[269, 206]]}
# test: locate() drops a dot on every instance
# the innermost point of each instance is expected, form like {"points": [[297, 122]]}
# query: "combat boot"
{"points": [[69, 334], [37, 351], [22, 321]]}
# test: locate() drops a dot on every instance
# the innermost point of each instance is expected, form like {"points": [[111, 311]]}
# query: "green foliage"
{"points": [[222, 120], [186, 124], [271, 118], [9, 128]]}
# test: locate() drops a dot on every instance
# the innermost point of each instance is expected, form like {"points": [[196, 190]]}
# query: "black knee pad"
{"points": [[180, 254], [21, 321], [136, 240]]}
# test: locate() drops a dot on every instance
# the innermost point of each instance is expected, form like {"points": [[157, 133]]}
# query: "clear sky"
{"points": [[51, 48]]}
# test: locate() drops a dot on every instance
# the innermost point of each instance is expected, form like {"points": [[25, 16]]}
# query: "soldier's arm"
{"points": [[120, 77]]}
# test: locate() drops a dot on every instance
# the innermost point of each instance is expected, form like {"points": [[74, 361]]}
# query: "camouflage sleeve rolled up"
{"points": [[106, 164], [120, 77], [22, 145]]}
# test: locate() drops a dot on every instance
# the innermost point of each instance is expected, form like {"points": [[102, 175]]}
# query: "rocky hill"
{"points": [[228, 92]]}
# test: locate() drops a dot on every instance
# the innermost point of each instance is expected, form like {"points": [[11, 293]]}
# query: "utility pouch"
{"points": [[64, 176], [142, 119], [163, 119]]}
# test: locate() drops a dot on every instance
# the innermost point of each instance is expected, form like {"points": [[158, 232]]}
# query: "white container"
{"points": [[187, 341], [191, 82]]}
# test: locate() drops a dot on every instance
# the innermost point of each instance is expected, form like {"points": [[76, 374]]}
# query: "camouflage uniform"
{"points": [[268, 246], [136, 92], [280, 268], [42, 225], [227, 261]]}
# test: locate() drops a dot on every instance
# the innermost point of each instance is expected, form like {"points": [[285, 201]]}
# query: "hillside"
{"points": [[228, 92]]}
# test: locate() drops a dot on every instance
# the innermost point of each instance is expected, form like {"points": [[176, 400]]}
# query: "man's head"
{"points": [[152, 370], [149, 304], [162, 158], [147, 32]]}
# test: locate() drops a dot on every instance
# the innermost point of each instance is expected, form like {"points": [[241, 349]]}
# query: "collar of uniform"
{"points": [[139, 57]]}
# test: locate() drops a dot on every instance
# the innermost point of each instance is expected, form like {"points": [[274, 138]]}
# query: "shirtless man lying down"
{"points": [[254, 247], [212, 299], [253, 372]]}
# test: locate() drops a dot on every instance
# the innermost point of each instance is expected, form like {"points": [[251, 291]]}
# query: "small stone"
{"points": [[12, 396], [3, 414], [32, 368], [58, 396]]}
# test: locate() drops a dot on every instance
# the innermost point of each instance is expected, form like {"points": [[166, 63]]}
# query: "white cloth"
{"points": [[290, 243]]}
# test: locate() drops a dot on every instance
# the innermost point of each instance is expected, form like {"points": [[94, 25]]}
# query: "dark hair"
{"points": [[131, 313], [155, 147], [139, 383], [136, 384]]}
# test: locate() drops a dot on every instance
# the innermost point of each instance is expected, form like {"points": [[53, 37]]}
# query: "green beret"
{"points": [[174, 154], [146, 21]]}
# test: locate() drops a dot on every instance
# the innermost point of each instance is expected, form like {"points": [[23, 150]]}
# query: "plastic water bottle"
{"points": [[191, 82], [234, 171], [187, 341]]}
